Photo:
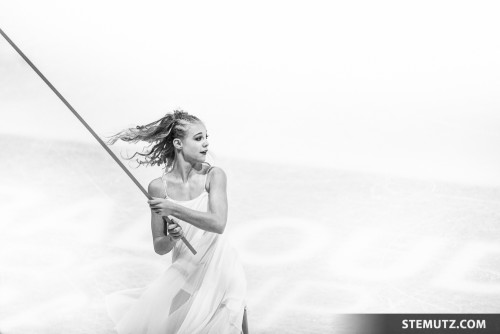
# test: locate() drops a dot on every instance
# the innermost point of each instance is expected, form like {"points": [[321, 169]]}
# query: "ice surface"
{"points": [[315, 243]]}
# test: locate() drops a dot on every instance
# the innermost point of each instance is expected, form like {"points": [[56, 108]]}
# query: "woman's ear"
{"points": [[177, 143]]}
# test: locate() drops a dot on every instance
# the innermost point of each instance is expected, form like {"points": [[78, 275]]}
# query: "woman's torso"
{"points": [[200, 239]]}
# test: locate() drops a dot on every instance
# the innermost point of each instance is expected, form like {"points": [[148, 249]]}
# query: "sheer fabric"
{"points": [[202, 293]]}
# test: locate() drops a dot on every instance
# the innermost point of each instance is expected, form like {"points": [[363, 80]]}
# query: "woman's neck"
{"points": [[183, 169]]}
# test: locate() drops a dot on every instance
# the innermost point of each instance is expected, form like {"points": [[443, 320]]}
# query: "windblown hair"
{"points": [[160, 134]]}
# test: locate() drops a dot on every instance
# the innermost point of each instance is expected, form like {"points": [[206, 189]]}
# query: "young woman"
{"points": [[202, 293]]}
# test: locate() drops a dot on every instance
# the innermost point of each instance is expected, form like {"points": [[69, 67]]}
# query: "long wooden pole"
{"points": [[165, 219]]}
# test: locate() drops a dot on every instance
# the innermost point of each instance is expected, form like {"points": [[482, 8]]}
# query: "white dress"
{"points": [[202, 293]]}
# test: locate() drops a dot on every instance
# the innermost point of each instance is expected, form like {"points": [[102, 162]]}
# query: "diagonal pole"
{"points": [[165, 219]]}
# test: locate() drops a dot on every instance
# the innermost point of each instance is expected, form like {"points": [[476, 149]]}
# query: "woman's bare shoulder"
{"points": [[155, 187], [216, 176], [215, 171]]}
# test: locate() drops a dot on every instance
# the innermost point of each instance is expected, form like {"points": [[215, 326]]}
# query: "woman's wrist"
{"points": [[174, 209]]}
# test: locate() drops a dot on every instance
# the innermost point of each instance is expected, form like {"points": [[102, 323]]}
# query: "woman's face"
{"points": [[195, 143]]}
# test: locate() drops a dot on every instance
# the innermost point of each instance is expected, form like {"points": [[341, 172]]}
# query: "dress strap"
{"points": [[164, 180], [206, 178]]}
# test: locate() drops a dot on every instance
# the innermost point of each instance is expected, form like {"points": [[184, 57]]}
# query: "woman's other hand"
{"points": [[175, 230]]}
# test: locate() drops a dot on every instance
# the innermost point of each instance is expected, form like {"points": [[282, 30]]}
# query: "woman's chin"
{"points": [[201, 159]]}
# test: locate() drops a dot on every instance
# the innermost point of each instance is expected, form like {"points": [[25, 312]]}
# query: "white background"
{"points": [[398, 87]]}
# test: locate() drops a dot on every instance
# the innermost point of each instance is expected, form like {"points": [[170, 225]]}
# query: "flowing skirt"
{"points": [[202, 293]]}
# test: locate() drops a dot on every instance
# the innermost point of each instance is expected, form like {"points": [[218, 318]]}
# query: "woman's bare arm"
{"points": [[162, 244]]}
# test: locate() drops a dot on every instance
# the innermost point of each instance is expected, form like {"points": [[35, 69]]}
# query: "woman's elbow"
{"points": [[159, 249], [220, 227]]}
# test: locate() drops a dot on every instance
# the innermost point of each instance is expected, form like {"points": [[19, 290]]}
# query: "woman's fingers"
{"points": [[154, 201], [175, 230], [176, 235]]}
